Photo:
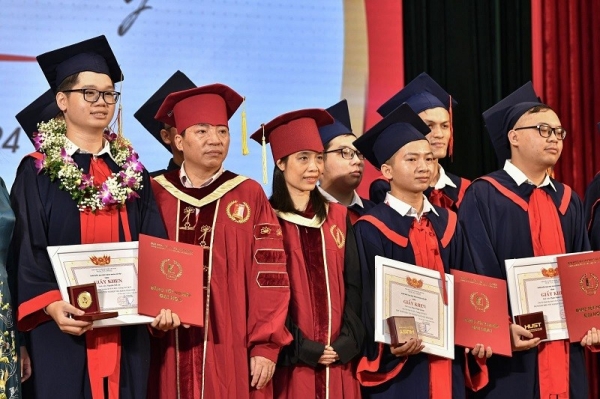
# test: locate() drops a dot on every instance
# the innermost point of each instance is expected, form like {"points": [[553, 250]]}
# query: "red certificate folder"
{"points": [[579, 283], [170, 277], [481, 312]]}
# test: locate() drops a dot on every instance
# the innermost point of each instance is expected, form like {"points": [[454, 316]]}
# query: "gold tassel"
{"points": [[245, 150], [264, 156], [120, 121]]}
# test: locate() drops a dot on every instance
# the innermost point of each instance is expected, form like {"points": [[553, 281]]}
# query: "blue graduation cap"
{"points": [[341, 122], [42, 109], [92, 55], [145, 115], [382, 141], [501, 118], [422, 93]]}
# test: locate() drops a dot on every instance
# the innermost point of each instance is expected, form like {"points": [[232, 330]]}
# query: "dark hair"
{"points": [[282, 201], [327, 145], [69, 82], [539, 108]]}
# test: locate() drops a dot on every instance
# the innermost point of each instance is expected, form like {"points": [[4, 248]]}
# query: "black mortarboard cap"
{"points": [[501, 118], [42, 109], [420, 94], [341, 124], [92, 55], [145, 115], [393, 132]]}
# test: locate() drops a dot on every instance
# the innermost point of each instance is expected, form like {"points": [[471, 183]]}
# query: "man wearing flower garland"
{"points": [[245, 279], [83, 185]]}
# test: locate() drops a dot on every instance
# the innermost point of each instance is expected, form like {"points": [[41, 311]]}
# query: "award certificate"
{"points": [[402, 289], [534, 286], [114, 269]]}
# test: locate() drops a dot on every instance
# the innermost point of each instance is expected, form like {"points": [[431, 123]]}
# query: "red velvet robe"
{"points": [[246, 283], [324, 307]]}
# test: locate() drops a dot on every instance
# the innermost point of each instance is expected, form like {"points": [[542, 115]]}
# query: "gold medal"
{"points": [[84, 300]]}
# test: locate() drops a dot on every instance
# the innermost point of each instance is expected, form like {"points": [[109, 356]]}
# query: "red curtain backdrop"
{"points": [[566, 74], [386, 66]]}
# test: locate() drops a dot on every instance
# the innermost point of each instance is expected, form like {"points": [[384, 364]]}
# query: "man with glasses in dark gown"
{"points": [[343, 164], [517, 212]]}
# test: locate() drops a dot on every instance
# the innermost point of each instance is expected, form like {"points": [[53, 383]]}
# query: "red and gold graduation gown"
{"points": [[69, 366], [246, 285], [435, 242], [324, 306], [503, 220], [447, 197]]}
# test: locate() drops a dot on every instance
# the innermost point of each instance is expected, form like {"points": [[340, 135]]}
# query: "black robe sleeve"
{"points": [[349, 343]]}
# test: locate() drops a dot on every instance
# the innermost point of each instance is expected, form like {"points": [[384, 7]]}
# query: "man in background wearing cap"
{"points": [[520, 212], [56, 208], [324, 311], [246, 283], [434, 106], [163, 132], [343, 165], [408, 228]]}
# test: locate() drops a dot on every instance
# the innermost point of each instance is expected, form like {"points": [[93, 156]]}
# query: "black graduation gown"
{"points": [[172, 166], [497, 229], [46, 216], [413, 380]]}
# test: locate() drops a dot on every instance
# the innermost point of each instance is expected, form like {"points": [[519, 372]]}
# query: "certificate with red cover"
{"points": [[170, 277], [481, 312], [579, 282]]}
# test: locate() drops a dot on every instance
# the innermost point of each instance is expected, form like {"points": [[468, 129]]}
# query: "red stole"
{"points": [[426, 249], [547, 239], [438, 198], [103, 344]]}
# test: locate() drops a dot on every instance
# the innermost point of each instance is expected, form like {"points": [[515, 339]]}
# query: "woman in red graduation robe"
{"points": [[324, 311]]}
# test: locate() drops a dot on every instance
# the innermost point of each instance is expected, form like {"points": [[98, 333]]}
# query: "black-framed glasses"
{"points": [[347, 153], [93, 95], [546, 130]]}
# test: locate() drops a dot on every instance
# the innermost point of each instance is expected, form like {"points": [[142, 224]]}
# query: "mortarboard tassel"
{"points": [[245, 150], [264, 156], [451, 141]]}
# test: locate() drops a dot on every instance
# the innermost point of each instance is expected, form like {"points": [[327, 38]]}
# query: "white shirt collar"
{"points": [[444, 180], [187, 182], [356, 200], [519, 177], [71, 148], [405, 209]]}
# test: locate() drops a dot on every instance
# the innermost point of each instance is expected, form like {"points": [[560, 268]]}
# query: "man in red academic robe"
{"points": [[245, 278]]}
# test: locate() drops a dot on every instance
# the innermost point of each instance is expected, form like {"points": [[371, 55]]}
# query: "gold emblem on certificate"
{"points": [[84, 300], [237, 211], [414, 282], [479, 301], [589, 283], [171, 269], [100, 260]]}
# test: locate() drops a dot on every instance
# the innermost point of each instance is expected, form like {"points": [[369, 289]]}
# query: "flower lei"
{"points": [[120, 187]]}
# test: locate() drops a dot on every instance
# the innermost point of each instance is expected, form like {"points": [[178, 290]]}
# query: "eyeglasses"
{"points": [[93, 95], [546, 130], [347, 153]]}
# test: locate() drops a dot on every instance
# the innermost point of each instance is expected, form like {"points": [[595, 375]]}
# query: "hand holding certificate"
{"points": [[171, 278], [534, 286], [113, 267], [481, 312], [402, 289]]}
